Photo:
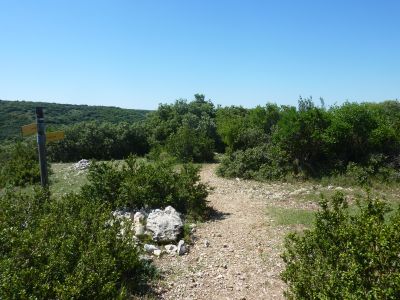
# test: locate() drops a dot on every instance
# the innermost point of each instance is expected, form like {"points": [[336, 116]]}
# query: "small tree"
{"points": [[191, 145]]}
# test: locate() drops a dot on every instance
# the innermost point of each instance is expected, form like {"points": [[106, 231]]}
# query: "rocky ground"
{"points": [[236, 254]]}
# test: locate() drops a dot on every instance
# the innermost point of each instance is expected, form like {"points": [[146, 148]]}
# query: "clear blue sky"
{"points": [[137, 54]]}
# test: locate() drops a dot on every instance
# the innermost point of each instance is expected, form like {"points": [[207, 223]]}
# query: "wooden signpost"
{"points": [[40, 129], [41, 140]]}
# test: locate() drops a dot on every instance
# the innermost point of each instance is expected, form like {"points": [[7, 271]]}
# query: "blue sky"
{"points": [[137, 54]]}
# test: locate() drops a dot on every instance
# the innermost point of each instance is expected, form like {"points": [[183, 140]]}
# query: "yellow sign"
{"points": [[54, 136], [29, 129]]}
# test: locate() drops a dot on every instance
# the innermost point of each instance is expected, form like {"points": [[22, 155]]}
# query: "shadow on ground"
{"points": [[216, 215]]}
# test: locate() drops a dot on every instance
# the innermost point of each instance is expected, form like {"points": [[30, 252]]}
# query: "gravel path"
{"points": [[236, 255]]}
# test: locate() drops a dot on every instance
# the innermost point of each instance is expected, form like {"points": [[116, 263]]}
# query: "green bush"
{"points": [[95, 140], [186, 130], [105, 180], [190, 145], [242, 128], [65, 249], [311, 141], [377, 171], [137, 184], [358, 130], [249, 137], [262, 162], [300, 134], [346, 255], [20, 165]]}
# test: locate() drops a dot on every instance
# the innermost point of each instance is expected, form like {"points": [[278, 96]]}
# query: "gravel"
{"points": [[236, 254]]}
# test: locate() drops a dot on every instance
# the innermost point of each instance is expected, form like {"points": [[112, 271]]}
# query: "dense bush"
{"points": [[93, 140], [262, 162], [190, 145], [241, 128], [19, 164], [357, 131], [65, 249], [299, 133], [137, 183], [346, 255], [311, 141], [185, 130]]}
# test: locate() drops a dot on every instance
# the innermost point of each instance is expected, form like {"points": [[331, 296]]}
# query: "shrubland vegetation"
{"points": [[64, 246], [14, 114], [185, 130], [102, 141], [347, 255], [137, 184], [19, 164], [311, 141], [267, 142], [67, 247]]}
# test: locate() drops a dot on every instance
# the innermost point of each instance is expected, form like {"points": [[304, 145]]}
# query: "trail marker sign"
{"points": [[29, 129], [39, 128], [54, 136]]}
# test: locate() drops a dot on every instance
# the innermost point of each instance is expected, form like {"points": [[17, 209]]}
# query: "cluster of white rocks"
{"points": [[171, 249], [83, 164], [164, 226]]}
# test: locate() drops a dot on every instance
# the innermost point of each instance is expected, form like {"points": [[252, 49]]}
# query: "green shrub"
{"points": [[138, 183], [249, 138], [262, 162], [300, 134], [311, 141], [346, 255], [375, 171], [20, 165], [186, 130], [65, 249], [190, 145], [358, 130], [95, 140], [241, 128], [105, 179], [229, 122]]}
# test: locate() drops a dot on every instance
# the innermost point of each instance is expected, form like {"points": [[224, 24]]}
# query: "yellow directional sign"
{"points": [[29, 129], [54, 136]]}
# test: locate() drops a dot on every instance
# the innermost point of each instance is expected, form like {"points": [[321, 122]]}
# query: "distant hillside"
{"points": [[14, 114]]}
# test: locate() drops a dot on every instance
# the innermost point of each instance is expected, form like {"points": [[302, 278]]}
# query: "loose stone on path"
{"points": [[225, 261]]}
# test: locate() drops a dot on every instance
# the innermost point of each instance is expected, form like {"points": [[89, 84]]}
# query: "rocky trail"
{"points": [[236, 254]]}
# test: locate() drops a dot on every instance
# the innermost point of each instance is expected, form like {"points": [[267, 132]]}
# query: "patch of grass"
{"points": [[65, 179], [291, 216]]}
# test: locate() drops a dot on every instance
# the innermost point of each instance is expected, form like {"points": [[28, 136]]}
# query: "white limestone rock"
{"points": [[83, 164], [150, 248], [181, 247], [164, 225], [139, 222], [171, 249], [157, 252]]}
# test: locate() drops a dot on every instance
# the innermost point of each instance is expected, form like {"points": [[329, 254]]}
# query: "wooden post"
{"points": [[41, 140]]}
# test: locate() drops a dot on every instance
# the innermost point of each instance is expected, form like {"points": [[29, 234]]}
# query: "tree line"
{"points": [[265, 142], [14, 114]]}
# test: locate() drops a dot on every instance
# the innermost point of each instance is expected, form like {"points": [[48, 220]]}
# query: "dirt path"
{"points": [[236, 255]]}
